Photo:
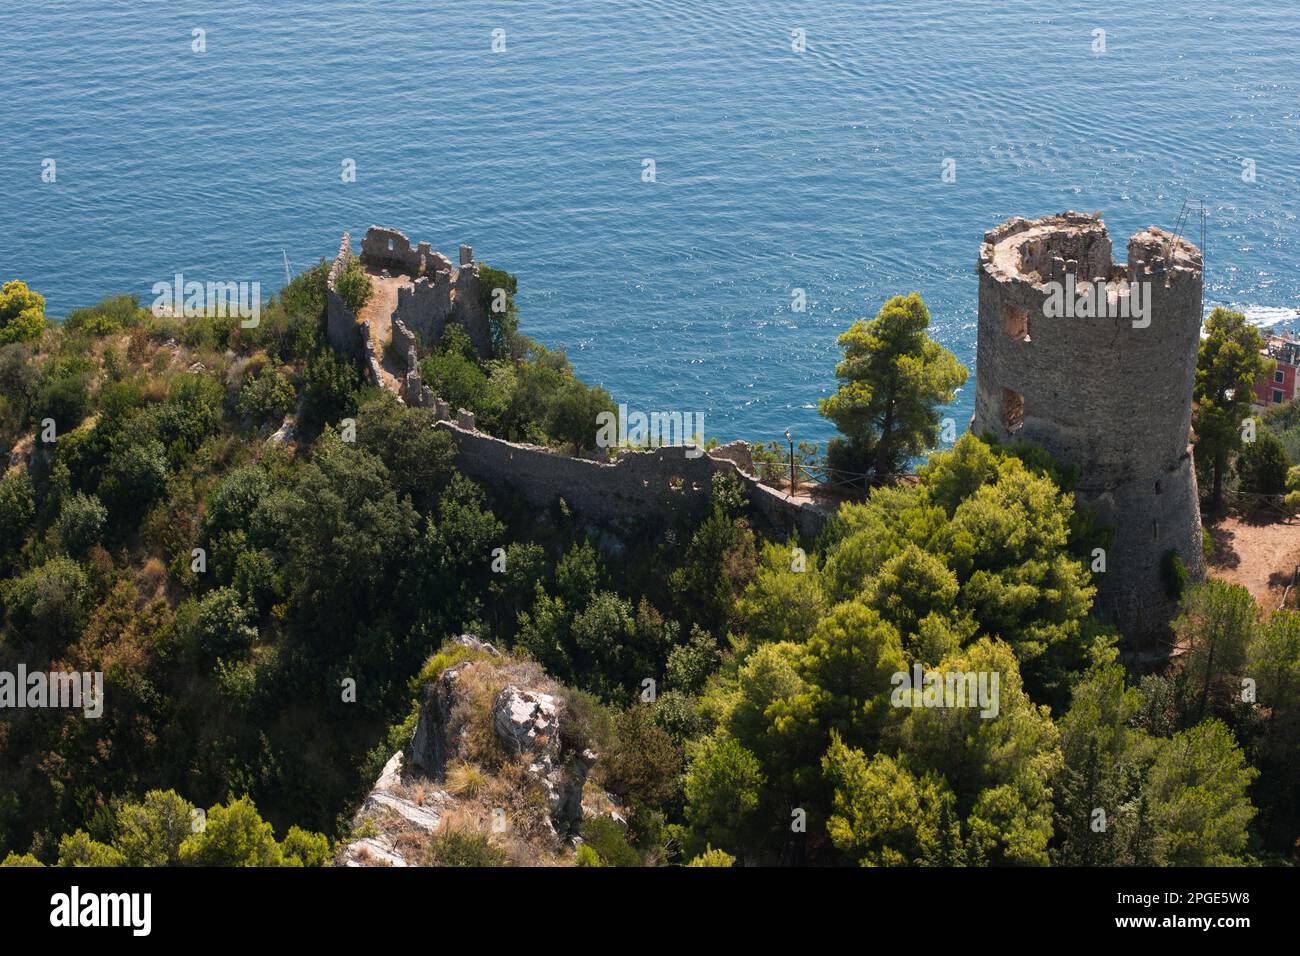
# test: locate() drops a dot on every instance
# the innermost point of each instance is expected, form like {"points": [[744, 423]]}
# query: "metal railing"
{"points": [[778, 475]]}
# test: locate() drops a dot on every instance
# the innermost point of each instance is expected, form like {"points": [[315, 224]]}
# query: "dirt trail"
{"points": [[1259, 556], [379, 313]]}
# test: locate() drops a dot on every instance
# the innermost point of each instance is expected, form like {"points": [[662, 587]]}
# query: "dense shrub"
{"points": [[605, 837], [22, 313], [268, 396], [48, 602], [330, 386], [1174, 573], [354, 285], [110, 315], [81, 523], [453, 847]]}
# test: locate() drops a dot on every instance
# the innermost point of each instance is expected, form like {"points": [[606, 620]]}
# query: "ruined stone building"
{"points": [[417, 291], [1095, 361]]}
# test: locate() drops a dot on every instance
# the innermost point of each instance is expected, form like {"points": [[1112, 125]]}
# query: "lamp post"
{"points": [[791, 441]]}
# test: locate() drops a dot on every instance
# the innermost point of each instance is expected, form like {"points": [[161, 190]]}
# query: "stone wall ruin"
{"points": [[634, 484]]}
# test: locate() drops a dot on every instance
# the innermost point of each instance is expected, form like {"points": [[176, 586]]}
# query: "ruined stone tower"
{"points": [[1103, 382]]}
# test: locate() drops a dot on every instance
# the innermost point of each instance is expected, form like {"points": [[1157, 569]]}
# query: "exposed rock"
{"points": [[524, 712], [21, 453], [371, 851], [528, 724], [391, 811], [287, 431], [474, 644]]}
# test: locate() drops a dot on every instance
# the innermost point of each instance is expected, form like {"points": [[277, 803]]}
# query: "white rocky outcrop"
{"points": [[410, 800]]}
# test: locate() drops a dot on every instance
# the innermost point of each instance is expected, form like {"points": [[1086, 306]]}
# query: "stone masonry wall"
{"points": [[440, 293], [349, 336], [635, 484], [413, 390], [1099, 393]]}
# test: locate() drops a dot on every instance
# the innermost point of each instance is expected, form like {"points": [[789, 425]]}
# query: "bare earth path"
{"points": [[379, 313], [1259, 556]]}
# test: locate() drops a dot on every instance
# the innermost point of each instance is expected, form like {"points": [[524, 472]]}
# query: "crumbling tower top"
{"points": [[1094, 360], [1039, 251]]}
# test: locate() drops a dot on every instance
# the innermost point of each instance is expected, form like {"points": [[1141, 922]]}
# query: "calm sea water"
{"points": [[775, 170]]}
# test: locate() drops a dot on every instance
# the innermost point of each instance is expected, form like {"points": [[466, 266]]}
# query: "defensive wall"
{"points": [[635, 483]]}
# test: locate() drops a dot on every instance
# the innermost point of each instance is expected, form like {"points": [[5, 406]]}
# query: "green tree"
{"points": [[17, 509], [150, 833], [223, 626], [354, 285], [78, 849], [910, 587], [603, 645], [234, 835], [781, 603], [269, 395], [1273, 658], [329, 389], [1215, 627], [1263, 465], [49, 601], [578, 574], [713, 858], [884, 816], [1227, 367], [605, 836], [302, 847], [724, 785], [571, 414], [893, 378], [643, 765], [1000, 768], [1105, 762], [719, 561], [419, 457], [456, 378], [81, 523], [847, 666], [136, 477], [22, 313], [690, 664], [62, 393], [1198, 791], [1273, 661], [503, 315], [237, 497], [345, 525]]}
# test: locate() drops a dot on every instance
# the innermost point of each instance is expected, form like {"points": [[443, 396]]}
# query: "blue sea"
{"points": [[775, 170]]}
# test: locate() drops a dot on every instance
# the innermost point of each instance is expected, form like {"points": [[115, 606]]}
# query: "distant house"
{"points": [[1279, 386]]}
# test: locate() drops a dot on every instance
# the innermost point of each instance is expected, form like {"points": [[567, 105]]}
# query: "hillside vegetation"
{"points": [[267, 561]]}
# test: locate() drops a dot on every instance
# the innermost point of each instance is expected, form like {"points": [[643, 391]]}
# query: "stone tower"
{"points": [[1095, 361]]}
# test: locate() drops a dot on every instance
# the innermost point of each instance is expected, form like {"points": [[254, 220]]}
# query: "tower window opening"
{"points": [[391, 245], [1013, 410], [1015, 322]]}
